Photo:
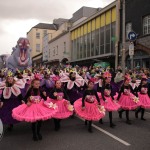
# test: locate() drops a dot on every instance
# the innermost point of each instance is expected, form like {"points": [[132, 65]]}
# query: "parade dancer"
{"points": [[134, 84], [127, 98], [19, 77], [47, 83], [89, 107], [144, 97], [34, 110], [107, 98], [59, 98], [72, 82], [11, 97]]}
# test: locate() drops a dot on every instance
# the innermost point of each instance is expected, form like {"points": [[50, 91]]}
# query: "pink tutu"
{"points": [[127, 102], [91, 111], [99, 95], [110, 105], [65, 109], [33, 113], [144, 100]]}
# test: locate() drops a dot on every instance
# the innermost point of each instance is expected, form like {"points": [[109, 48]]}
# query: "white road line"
{"points": [[109, 134], [148, 113]]}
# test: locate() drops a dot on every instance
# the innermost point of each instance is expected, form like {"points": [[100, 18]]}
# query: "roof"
{"points": [[45, 26], [57, 37]]}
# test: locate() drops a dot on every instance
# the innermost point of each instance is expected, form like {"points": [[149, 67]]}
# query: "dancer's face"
{"points": [[91, 85], [58, 84], [10, 80], [36, 84], [127, 81], [144, 82], [108, 80]]}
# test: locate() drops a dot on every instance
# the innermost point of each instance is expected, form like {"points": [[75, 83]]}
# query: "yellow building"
{"points": [[35, 36], [96, 37]]}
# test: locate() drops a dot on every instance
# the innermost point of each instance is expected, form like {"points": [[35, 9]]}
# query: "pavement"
{"points": [[73, 135]]}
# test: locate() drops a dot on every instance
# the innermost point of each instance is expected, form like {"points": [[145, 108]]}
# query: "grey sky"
{"points": [[18, 16]]}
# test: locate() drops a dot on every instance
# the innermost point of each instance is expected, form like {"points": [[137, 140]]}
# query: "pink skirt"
{"points": [[65, 109], [110, 105], [91, 111], [127, 103], [144, 100], [33, 113]]}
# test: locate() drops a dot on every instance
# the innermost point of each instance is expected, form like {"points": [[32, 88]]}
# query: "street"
{"points": [[73, 135]]}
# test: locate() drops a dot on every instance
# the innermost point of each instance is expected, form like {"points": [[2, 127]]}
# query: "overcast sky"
{"points": [[17, 17]]}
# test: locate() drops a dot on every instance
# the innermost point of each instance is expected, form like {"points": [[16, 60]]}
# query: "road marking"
{"points": [[148, 113], [109, 134]]}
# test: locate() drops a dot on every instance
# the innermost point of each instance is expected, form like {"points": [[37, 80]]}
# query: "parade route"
{"points": [[73, 135], [109, 134]]}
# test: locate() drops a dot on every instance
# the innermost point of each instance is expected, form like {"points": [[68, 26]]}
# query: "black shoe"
{"points": [[85, 122], [101, 121], [136, 115], [58, 125], [112, 125], [10, 128], [128, 122], [120, 114], [39, 136], [143, 119], [90, 130], [35, 138], [56, 128], [72, 117]]}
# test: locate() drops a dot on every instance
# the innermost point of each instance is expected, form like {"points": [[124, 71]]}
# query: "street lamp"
{"points": [[123, 36]]}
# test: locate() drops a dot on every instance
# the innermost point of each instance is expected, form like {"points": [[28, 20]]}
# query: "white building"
{"points": [[59, 49]]}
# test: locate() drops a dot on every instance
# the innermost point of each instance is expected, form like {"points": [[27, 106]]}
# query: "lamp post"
{"points": [[123, 37]]}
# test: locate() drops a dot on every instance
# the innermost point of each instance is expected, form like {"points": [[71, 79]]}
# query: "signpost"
{"points": [[132, 36]]}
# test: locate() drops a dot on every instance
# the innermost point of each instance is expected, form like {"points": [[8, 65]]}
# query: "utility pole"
{"points": [[123, 36], [117, 33]]}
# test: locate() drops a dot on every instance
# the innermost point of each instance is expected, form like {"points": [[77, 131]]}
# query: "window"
{"points": [[64, 47], [54, 52], [44, 33], [107, 38], [93, 44], [37, 35], [146, 25], [85, 46], [128, 29], [102, 40], [81, 46], [78, 48], [97, 42], [49, 53], [88, 44], [57, 50], [113, 37], [37, 47], [75, 49]]}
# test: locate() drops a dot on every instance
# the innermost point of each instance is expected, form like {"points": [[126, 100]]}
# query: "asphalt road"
{"points": [[73, 135]]}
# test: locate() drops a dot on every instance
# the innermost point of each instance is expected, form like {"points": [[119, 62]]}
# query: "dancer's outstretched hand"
{"points": [[83, 108], [1, 104], [28, 103]]}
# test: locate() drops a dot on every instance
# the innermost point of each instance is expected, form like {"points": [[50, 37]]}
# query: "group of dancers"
{"points": [[37, 95]]}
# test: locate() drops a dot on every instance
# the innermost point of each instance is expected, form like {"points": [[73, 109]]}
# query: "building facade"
{"points": [[3, 59], [59, 49], [95, 38], [35, 36], [138, 20]]}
